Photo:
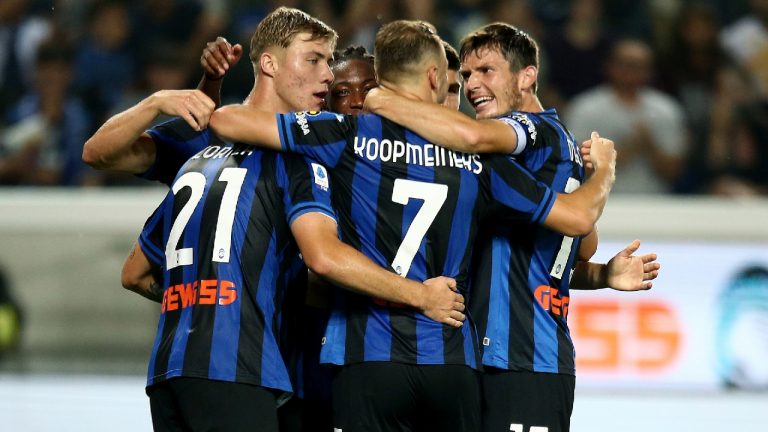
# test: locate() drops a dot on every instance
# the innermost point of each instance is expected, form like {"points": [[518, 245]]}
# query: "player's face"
{"points": [[352, 81], [489, 85], [303, 75], [453, 98]]}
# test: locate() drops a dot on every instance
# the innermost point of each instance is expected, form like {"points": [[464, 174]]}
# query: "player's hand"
{"points": [[218, 56], [602, 153], [629, 272], [191, 105], [585, 149], [442, 302], [377, 98]]}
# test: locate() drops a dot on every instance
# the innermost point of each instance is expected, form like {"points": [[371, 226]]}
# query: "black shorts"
{"points": [[184, 404], [304, 415], [527, 401], [391, 397]]}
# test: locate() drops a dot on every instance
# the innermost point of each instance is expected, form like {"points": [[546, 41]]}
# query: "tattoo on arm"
{"points": [[155, 292]]}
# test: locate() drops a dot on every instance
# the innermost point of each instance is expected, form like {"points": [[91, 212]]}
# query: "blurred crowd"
{"points": [[680, 85]]}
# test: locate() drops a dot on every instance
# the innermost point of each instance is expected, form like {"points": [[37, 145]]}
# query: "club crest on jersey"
{"points": [[321, 176]]}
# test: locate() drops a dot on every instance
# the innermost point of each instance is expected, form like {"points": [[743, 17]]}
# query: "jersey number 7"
{"points": [[434, 196]]}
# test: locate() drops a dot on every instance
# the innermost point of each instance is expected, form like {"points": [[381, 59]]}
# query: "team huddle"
{"points": [[441, 249]]}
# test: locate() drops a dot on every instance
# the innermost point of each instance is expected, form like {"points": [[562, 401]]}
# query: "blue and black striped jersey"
{"points": [[222, 236], [520, 273], [412, 207]]}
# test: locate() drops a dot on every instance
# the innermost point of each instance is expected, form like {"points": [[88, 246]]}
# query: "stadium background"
{"points": [[688, 354]]}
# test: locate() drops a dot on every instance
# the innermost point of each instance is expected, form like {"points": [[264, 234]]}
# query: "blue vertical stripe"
{"points": [[226, 325], [378, 335], [496, 354], [272, 365], [335, 338]]}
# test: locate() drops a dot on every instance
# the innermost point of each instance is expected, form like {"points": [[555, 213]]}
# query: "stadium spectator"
{"points": [[571, 51], [105, 67], [48, 126], [648, 126], [709, 87], [746, 40], [20, 34]]}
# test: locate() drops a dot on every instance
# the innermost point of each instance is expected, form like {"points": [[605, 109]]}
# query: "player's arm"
{"points": [[121, 144], [248, 125], [576, 213], [624, 272], [438, 124], [588, 246], [217, 57], [330, 258], [140, 275]]}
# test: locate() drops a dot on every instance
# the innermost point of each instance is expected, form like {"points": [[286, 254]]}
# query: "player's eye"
{"points": [[313, 60], [341, 93]]}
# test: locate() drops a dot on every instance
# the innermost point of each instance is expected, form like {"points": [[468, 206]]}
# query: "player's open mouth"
{"points": [[481, 101], [321, 95]]}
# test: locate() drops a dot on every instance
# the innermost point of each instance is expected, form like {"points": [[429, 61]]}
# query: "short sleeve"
{"points": [[306, 187], [320, 135]]}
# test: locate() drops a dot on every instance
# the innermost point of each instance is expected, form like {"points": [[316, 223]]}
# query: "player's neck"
{"points": [[409, 91], [530, 103], [264, 97]]}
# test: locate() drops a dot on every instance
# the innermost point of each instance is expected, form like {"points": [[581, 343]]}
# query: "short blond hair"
{"points": [[282, 25], [401, 45]]}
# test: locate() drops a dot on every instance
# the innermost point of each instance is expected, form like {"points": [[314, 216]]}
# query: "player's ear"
{"points": [[268, 63], [527, 77], [434, 83]]}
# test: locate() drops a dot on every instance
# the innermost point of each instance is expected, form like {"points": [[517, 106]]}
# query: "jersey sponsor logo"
{"points": [[203, 292], [218, 152], [428, 155], [301, 120], [550, 300], [321, 176]]}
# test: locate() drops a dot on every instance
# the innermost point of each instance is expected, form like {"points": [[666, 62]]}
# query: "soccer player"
{"points": [[415, 207], [521, 275], [353, 77], [223, 238]]}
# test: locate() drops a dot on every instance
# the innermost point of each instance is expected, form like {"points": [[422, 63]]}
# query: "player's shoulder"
{"points": [[177, 128]]}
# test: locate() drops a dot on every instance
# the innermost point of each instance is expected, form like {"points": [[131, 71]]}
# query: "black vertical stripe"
{"points": [[521, 299]]}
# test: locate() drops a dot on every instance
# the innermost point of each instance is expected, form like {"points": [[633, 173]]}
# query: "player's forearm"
{"points": [[149, 288], [247, 125], [586, 204], [589, 276], [345, 266], [445, 127], [211, 88], [117, 145]]}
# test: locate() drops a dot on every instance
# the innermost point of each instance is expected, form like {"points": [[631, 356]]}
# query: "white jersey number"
{"points": [[558, 268], [434, 196], [222, 240]]}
